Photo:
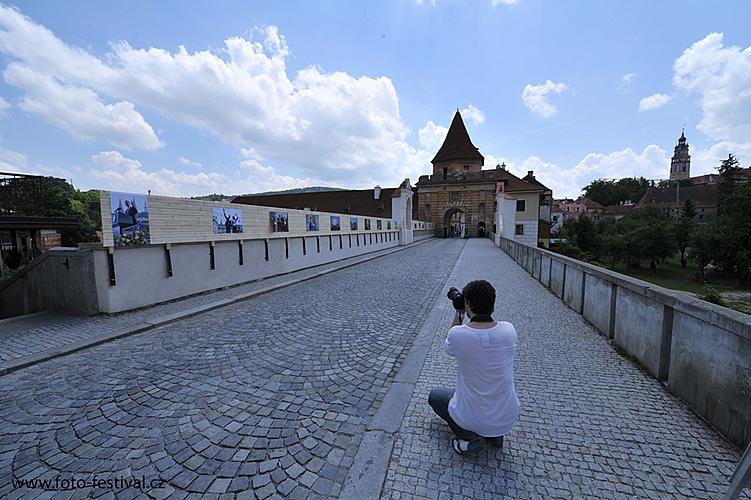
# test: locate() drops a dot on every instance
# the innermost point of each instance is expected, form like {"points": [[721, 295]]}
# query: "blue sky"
{"points": [[273, 95]]}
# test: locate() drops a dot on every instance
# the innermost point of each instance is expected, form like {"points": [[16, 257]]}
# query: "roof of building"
{"points": [[589, 202], [512, 183], [355, 201], [706, 195], [457, 145], [619, 209], [530, 177]]}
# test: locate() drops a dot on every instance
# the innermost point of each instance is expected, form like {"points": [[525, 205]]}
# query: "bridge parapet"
{"points": [[701, 351]]}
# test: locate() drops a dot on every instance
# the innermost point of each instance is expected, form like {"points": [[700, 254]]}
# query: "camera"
{"points": [[455, 296]]}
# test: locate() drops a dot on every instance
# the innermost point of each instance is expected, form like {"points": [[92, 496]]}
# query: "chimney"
{"points": [[531, 174], [377, 193]]}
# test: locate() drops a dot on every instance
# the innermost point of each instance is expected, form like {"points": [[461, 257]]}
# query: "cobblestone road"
{"points": [[25, 336], [591, 423], [269, 396]]}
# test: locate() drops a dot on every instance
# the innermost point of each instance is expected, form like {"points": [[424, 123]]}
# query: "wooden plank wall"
{"points": [[181, 220]]}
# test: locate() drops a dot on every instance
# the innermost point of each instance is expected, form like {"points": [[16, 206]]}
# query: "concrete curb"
{"points": [[158, 321], [367, 474]]}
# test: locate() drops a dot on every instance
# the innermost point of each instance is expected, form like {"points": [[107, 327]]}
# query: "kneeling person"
{"points": [[484, 403]]}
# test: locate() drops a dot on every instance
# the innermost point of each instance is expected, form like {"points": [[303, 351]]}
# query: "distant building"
{"points": [[706, 198], [460, 194], [680, 164], [374, 202], [618, 212], [573, 209]]}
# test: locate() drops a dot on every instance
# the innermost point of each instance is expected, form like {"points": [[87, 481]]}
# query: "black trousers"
{"points": [[439, 401]]}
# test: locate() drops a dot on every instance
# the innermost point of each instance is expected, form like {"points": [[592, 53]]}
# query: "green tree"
{"points": [[689, 209], [733, 230], [728, 173], [610, 192], [704, 243], [648, 235], [61, 199], [612, 242], [583, 234], [682, 234]]}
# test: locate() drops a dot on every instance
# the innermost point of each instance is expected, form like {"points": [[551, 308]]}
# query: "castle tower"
{"points": [[457, 153], [680, 165]]}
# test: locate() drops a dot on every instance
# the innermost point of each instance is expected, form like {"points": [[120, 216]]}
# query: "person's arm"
{"points": [[458, 319]]}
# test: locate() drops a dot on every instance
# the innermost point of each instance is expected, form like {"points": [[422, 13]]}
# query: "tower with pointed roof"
{"points": [[459, 198], [680, 164], [457, 153]]}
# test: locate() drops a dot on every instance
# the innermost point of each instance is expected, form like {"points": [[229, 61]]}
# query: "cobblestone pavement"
{"points": [[268, 397], [591, 423], [32, 335]]}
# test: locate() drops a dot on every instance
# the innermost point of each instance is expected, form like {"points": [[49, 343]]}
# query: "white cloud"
{"points": [[111, 170], [190, 163], [653, 102], [431, 136], [78, 111], [722, 77], [331, 125], [496, 3], [535, 97], [474, 115], [12, 161], [3, 105], [652, 163], [624, 84]]}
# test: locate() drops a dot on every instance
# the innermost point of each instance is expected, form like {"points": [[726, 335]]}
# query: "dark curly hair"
{"points": [[480, 295]]}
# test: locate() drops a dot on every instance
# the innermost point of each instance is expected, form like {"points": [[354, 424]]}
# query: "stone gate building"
{"points": [[460, 194]]}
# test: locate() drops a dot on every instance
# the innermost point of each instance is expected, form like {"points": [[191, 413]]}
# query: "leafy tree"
{"points": [[733, 229], [704, 245], [728, 170], [582, 233], [648, 235], [61, 199], [612, 242], [689, 209], [610, 192], [682, 234]]}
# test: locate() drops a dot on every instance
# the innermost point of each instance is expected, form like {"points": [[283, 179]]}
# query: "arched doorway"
{"points": [[481, 229], [453, 223]]}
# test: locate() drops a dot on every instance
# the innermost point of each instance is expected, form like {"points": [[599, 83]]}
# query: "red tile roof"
{"points": [[457, 145]]}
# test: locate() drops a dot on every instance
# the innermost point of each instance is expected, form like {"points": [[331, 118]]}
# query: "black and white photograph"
{"points": [[227, 220], [312, 222], [130, 219], [336, 223], [353, 223], [379, 226], [388, 224], [367, 224], [279, 222]]}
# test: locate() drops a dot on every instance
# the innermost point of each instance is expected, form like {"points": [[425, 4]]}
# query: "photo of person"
{"points": [[379, 226], [353, 223], [311, 222], [367, 224], [336, 223], [130, 219], [227, 220], [388, 224], [279, 222]]}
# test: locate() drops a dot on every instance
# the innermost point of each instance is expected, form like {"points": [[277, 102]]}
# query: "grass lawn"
{"points": [[671, 275]]}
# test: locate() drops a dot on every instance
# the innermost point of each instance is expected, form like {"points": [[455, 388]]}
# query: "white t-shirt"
{"points": [[485, 399]]}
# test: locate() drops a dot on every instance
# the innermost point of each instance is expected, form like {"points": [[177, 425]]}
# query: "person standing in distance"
{"points": [[484, 404]]}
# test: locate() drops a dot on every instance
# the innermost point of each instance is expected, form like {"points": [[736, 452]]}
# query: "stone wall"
{"points": [[143, 276], [59, 280], [700, 351]]}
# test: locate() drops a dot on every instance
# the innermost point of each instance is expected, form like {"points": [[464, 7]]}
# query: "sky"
{"points": [[191, 98]]}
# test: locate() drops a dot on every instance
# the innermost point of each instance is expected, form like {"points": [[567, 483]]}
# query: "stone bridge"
{"points": [[315, 384]]}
